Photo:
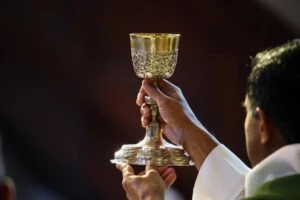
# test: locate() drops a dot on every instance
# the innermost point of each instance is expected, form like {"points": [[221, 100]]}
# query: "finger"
{"points": [[167, 85], [169, 176], [126, 169], [150, 166], [145, 110], [145, 121], [170, 179], [140, 96], [162, 169], [167, 172], [169, 88]]}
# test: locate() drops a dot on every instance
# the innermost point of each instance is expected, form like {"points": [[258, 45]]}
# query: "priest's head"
{"points": [[272, 101]]}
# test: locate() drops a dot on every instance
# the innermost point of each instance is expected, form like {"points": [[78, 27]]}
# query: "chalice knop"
{"points": [[154, 56]]}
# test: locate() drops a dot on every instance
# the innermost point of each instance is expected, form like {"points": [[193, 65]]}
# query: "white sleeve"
{"points": [[221, 177]]}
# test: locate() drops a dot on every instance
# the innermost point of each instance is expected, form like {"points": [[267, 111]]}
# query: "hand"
{"points": [[178, 121], [148, 185], [176, 115]]}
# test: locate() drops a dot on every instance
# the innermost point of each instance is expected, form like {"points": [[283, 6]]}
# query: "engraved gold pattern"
{"points": [[156, 65]]}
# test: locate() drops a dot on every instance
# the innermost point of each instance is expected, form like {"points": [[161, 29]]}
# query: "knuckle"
{"points": [[144, 121], [165, 101]]}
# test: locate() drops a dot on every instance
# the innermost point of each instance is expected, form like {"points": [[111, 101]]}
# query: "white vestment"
{"points": [[223, 176]]}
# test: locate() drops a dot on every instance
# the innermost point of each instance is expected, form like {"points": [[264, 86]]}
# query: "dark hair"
{"points": [[274, 86]]}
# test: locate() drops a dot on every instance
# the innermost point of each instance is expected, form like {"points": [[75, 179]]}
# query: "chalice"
{"points": [[154, 56]]}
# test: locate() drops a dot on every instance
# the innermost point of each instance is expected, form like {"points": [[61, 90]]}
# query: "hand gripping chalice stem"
{"points": [[154, 56]]}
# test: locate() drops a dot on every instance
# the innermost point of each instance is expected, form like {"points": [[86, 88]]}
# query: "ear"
{"points": [[264, 126], [7, 189]]}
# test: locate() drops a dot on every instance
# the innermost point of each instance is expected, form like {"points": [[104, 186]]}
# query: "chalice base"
{"points": [[164, 155], [156, 149]]}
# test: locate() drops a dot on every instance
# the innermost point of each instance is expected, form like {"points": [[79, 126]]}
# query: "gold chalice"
{"points": [[154, 56]]}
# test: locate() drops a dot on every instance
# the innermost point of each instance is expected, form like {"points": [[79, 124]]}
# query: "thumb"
{"points": [[150, 166], [126, 169], [169, 89], [154, 92]]}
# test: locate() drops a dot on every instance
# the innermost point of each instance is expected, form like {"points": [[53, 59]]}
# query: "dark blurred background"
{"points": [[68, 90]]}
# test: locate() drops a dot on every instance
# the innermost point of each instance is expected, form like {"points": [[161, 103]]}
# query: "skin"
{"points": [[182, 127], [262, 136], [148, 185]]}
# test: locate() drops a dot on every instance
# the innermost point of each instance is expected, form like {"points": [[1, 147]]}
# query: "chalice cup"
{"points": [[154, 56]]}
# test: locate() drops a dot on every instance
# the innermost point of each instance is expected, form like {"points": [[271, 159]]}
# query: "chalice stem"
{"points": [[153, 106], [153, 130], [154, 112]]}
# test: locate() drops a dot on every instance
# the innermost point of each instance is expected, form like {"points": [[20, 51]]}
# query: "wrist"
{"points": [[153, 195], [156, 197], [155, 190], [198, 142]]}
